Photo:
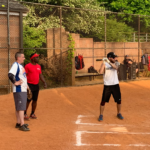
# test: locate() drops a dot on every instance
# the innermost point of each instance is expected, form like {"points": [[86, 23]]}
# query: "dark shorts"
{"points": [[112, 89], [35, 91], [20, 100]]}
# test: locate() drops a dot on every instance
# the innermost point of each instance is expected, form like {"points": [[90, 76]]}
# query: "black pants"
{"points": [[35, 91], [111, 89]]}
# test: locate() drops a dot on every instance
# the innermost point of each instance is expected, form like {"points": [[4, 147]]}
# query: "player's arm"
{"points": [[114, 65], [43, 80], [13, 80], [12, 73], [130, 61], [102, 69]]}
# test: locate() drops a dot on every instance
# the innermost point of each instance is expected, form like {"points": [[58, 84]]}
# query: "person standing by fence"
{"points": [[17, 76], [34, 73]]}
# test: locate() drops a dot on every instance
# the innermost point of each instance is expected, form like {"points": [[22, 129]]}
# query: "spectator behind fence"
{"points": [[128, 62]]}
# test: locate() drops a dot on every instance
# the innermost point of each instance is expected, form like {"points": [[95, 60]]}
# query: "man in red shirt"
{"points": [[33, 73]]}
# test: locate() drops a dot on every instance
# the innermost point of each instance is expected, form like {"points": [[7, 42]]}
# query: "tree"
{"points": [[33, 38], [139, 7], [73, 20], [115, 32]]}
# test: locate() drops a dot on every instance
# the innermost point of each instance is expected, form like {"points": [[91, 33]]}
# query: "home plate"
{"points": [[119, 129]]}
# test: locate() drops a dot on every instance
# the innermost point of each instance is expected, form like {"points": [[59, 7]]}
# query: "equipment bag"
{"points": [[79, 63], [92, 70]]}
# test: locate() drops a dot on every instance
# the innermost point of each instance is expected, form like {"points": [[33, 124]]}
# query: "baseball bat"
{"points": [[99, 59]]}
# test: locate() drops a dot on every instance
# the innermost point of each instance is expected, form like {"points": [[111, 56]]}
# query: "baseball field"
{"points": [[68, 120]]}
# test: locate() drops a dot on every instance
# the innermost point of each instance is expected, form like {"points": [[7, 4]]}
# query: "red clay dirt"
{"points": [[59, 109]]}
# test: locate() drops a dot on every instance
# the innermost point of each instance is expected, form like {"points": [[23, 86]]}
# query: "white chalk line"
{"points": [[79, 143], [79, 134], [140, 133], [94, 124], [78, 138], [82, 116], [99, 124], [115, 145], [99, 145]]}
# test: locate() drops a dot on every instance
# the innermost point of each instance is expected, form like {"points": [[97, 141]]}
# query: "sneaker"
{"points": [[100, 118], [26, 117], [24, 128], [33, 116], [120, 116], [18, 125]]}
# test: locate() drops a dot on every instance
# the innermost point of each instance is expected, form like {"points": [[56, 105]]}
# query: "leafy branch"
{"points": [[70, 53]]}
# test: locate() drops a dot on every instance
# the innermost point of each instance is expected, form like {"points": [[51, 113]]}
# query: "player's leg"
{"points": [[21, 117], [26, 117], [105, 98], [17, 117], [20, 102], [18, 124], [118, 107], [102, 106], [34, 104], [117, 97]]}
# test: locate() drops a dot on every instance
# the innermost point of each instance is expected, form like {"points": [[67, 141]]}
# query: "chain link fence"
{"points": [[59, 33]]}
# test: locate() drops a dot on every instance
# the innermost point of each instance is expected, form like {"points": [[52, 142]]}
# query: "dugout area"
{"points": [[67, 120]]}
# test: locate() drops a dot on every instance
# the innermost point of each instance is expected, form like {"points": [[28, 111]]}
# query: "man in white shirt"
{"points": [[17, 76], [111, 84]]}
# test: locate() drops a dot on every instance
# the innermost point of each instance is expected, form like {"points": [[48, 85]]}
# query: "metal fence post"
{"points": [[138, 46], [134, 37], [21, 31], [61, 45], [146, 37], [105, 34], [8, 42]]}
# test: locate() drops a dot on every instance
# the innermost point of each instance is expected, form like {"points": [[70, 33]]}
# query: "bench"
{"points": [[90, 75]]}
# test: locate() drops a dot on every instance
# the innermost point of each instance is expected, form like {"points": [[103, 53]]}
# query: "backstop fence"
{"points": [[60, 33]]}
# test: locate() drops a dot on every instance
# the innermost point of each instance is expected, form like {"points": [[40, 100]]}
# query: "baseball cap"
{"points": [[127, 56], [34, 55], [111, 54]]}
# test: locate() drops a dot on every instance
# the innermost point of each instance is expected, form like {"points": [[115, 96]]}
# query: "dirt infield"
{"points": [[67, 120]]}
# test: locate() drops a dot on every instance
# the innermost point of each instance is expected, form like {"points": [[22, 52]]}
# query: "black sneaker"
{"points": [[18, 125], [24, 128]]}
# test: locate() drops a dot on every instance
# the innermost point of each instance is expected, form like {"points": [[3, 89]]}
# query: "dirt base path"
{"points": [[67, 120]]}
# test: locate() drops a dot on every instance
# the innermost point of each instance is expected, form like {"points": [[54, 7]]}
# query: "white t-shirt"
{"points": [[110, 76], [19, 72]]}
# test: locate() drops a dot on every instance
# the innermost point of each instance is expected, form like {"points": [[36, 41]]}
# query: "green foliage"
{"points": [[33, 38], [82, 21], [77, 21], [139, 7], [116, 31], [70, 53], [42, 17], [86, 23]]}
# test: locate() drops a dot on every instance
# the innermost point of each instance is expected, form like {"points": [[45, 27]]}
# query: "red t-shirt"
{"points": [[33, 73]]}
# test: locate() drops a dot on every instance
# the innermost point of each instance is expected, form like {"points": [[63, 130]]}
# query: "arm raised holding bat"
{"points": [[102, 69], [111, 61]]}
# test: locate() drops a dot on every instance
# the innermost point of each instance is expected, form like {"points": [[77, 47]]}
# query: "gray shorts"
{"points": [[20, 100]]}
